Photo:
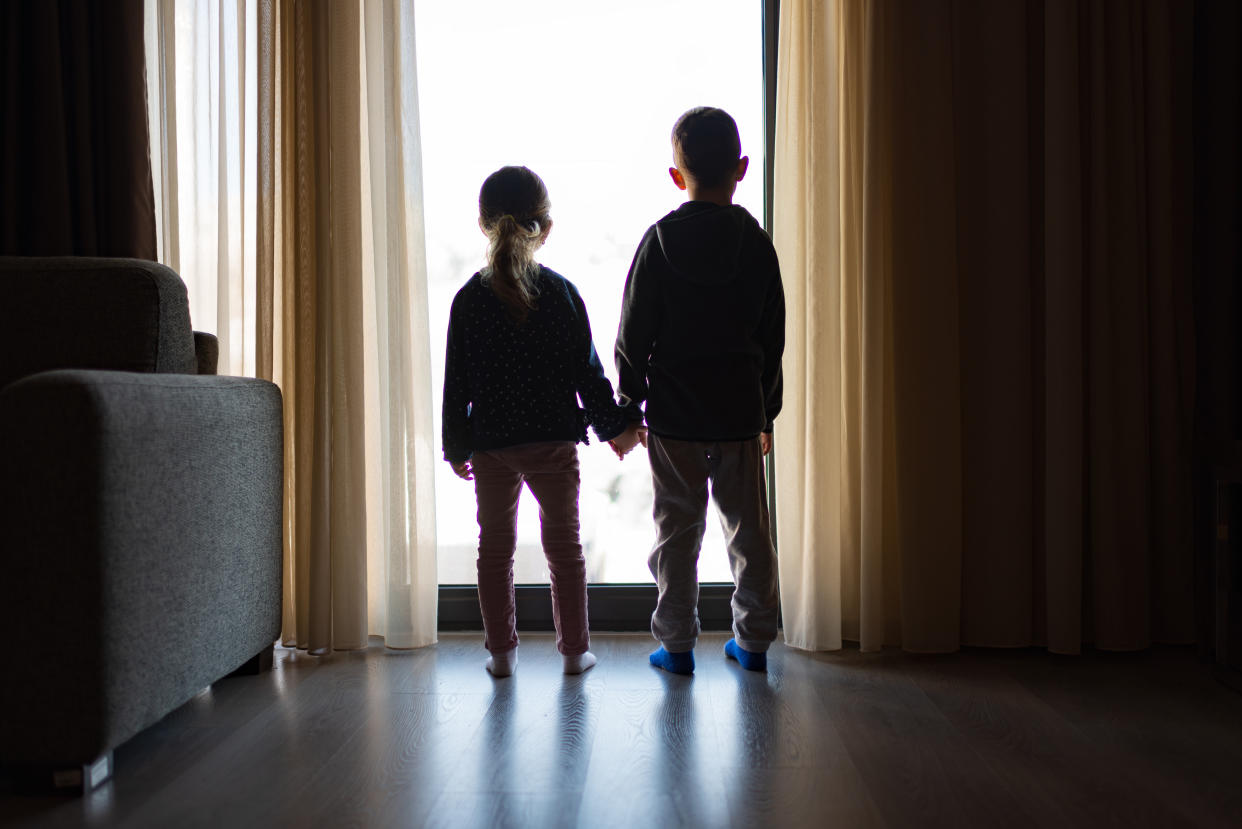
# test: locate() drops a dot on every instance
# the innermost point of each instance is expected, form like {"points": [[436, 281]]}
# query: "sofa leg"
{"points": [[257, 664], [85, 778], [68, 780]]}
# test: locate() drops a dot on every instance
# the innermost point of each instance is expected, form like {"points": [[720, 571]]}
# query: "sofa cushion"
{"points": [[83, 312]]}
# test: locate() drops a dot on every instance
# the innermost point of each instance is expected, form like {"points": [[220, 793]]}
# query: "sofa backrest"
{"points": [[93, 313]]}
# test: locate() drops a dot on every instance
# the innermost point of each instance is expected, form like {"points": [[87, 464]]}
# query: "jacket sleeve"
{"points": [[456, 412], [594, 389], [637, 331], [773, 333]]}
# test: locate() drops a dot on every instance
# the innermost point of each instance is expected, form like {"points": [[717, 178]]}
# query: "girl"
{"points": [[519, 357]]}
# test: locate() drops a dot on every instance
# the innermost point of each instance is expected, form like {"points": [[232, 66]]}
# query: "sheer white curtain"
{"points": [[285, 143], [201, 99], [401, 459]]}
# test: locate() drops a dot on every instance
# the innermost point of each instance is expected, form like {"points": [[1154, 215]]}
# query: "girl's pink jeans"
{"points": [[551, 472]]}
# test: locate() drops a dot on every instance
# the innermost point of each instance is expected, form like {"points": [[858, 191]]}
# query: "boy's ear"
{"points": [[742, 164], [678, 178]]}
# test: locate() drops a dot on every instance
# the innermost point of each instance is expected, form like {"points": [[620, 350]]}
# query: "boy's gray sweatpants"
{"points": [[681, 471]]}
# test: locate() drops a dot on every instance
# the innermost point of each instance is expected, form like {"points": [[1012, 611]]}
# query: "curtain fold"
{"points": [[331, 268], [982, 213]]}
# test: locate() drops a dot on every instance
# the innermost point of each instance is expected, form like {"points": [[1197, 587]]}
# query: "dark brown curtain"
{"points": [[75, 166], [1043, 320], [991, 363]]}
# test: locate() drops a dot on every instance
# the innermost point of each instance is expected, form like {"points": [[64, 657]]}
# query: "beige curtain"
{"points": [[830, 501], [324, 252], [982, 215]]}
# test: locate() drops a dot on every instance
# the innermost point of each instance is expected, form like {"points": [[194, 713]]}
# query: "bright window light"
{"points": [[585, 94]]}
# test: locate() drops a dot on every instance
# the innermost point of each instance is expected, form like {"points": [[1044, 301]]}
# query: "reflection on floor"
{"points": [[413, 738]]}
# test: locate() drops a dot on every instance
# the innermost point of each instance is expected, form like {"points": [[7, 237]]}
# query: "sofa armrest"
{"points": [[141, 547], [206, 352]]}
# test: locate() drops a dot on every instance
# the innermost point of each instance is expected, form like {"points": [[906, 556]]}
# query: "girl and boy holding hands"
{"points": [[698, 356]]}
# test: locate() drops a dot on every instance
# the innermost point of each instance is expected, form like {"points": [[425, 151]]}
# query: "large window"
{"points": [[585, 94]]}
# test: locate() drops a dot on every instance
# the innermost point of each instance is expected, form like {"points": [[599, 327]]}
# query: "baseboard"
{"points": [[612, 607]]}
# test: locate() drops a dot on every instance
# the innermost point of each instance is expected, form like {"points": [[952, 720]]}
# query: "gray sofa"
{"points": [[140, 512]]}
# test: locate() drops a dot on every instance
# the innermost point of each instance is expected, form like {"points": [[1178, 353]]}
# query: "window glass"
{"points": [[585, 94]]}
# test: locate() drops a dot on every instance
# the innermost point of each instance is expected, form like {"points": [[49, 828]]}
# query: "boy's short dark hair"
{"points": [[706, 145]]}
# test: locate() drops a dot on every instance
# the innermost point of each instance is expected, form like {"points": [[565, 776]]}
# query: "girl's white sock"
{"points": [[502, 664], [578, 663]]}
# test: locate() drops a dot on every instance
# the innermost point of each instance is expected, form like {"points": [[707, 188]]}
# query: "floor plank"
{"points": [[379, 738], [919, 769], [1036, 750]]}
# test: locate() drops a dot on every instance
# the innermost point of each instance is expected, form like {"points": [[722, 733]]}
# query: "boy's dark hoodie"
{"points": [[703, 326]]}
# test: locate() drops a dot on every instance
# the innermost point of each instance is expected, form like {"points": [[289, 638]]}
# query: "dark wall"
{"points": [[1217, 265]]}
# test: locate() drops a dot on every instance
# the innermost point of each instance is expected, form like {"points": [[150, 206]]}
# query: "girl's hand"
{"points": [[623, 443], [463, 470]]}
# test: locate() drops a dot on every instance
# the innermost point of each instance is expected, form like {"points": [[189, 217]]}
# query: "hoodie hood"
{"points": [[703, 242]]}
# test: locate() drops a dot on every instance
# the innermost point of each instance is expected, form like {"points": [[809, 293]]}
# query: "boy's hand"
{"points": [[463, 470], [765, 442], [623, 443]]}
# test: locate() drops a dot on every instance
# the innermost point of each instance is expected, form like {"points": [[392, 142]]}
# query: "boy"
{"points": [[700, 341]]}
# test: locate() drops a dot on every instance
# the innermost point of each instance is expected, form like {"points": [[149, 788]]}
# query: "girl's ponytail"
{"points": [[511, 267], [513, 212]]}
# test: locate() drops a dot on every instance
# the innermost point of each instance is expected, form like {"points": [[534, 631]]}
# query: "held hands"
{"points": [[623, 443], [463, 470]]}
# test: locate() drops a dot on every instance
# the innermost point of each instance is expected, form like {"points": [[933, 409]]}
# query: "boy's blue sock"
{"points": [[750, 660], [674, 663]]}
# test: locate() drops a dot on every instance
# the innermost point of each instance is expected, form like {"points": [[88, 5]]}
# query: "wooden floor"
{"points": [[427, 738]]}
